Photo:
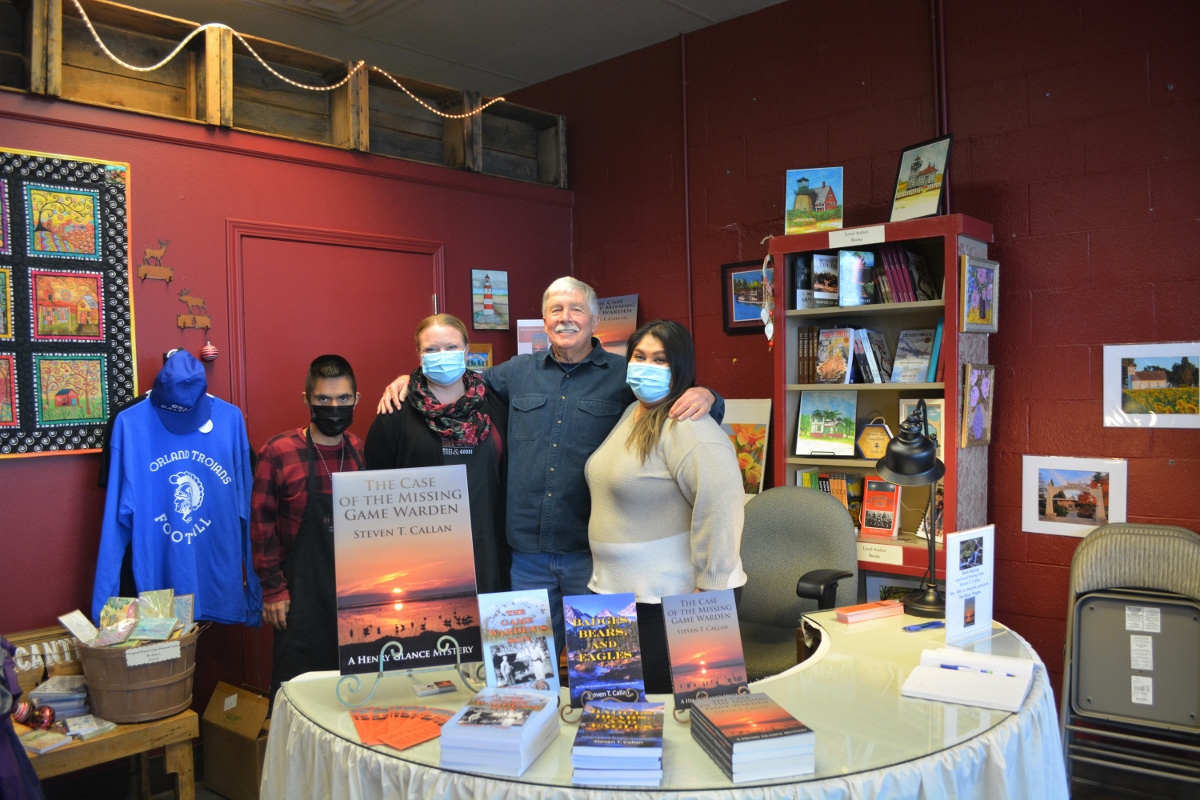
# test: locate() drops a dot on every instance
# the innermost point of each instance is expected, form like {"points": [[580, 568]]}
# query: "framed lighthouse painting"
{"points": [[489, 300], [920, 179]]}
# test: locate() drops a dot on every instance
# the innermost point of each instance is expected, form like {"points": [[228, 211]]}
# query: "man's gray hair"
{"points": [[569, 285]]}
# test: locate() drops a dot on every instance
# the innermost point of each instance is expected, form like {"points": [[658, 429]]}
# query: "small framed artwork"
{"points": [[70, 389], [8, 391], [825, 424], [62, 222], [980, 282], [1152, 385], [813, 200], [6, 307], [742, 293], [479, 357], [747, 423], [920, 179], [489, 299], [1072, 496], [979, 389], [66, 306], [935, 410]]}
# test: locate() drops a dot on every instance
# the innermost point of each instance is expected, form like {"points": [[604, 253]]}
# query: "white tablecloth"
{"points": [[313, 751]]}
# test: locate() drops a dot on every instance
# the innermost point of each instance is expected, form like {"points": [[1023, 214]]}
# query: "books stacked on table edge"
{"points": [[752, 738], [866, 611], [66, 694], [619, 744], [500, 732]]}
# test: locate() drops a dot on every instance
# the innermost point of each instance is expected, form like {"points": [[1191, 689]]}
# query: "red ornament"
{"points": [[208, 352]]}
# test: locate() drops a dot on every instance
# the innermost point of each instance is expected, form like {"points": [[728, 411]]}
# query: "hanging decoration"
{"points": [[309, 87], [191, 319], [768, 306]]}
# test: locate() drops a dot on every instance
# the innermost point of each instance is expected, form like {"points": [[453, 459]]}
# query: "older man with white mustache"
{"points": [[562, 405]]}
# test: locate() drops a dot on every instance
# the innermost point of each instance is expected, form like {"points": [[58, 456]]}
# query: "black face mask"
{"points": [[332, 420]]}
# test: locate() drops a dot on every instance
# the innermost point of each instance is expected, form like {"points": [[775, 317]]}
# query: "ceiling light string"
{"points": [[440, 113], [350, 74]]}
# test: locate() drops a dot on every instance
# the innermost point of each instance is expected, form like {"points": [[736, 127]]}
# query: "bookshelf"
{"points": [[941, 240]]}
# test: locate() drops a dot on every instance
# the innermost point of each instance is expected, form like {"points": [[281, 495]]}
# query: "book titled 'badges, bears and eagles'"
{"points": [[518, 640], [604, 657], [405, 569], [705, 646]]}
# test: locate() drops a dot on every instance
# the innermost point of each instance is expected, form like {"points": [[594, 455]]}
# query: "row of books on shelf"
{"points": [[858, 355], [872, 503], [845, 487], [890, 274]]}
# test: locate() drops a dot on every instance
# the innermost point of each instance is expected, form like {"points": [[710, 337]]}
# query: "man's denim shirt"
{"points": [[557, 419]]}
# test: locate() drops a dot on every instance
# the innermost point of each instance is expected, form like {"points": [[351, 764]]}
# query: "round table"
{"points": [[871, 741]]}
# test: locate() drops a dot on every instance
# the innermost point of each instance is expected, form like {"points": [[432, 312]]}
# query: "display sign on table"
{"points": [[405, 568], [970, 566]]}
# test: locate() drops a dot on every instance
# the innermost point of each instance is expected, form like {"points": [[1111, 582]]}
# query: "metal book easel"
{"points": [[352, 684]]}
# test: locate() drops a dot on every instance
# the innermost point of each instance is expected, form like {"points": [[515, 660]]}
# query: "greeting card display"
{"points": [[405, 569]]}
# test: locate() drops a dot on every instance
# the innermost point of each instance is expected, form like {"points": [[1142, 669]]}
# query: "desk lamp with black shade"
{"points": [[911, 460]]}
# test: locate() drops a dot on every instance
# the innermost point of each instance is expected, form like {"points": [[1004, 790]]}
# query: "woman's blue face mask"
{"points": [[445, 366], [650, 382]]}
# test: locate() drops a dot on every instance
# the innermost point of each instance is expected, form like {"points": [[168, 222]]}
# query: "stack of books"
{"points": [[500, 732], [619, 744], [42, 741], [751, 738], [66, 694], [84, 727], [866, 611]]}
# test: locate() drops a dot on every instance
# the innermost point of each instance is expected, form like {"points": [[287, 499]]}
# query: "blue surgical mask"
{"points": [[650, 382], [444, 366]]}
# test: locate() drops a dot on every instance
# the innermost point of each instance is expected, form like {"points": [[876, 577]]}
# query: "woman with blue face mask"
{"points": [[666, 496], [449, 417]]}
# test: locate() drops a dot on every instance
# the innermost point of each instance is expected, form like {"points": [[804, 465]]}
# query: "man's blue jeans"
{"points": [[559, 574]]}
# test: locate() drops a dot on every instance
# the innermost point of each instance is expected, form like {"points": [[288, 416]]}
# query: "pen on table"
{"points": [[937, 623], [976, 669]]}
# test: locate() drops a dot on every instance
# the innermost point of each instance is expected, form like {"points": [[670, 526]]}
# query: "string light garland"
{"points": [[418, 100], [220, 25]]}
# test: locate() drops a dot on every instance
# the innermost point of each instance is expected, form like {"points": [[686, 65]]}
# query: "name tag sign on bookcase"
{"points": [[907, 291]]}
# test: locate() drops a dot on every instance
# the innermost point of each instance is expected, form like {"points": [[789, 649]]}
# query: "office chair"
{"points": [[1131, 677], [798, 549]]}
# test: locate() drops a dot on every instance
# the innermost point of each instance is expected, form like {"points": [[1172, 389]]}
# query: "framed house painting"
{"points": [[920, 179]]}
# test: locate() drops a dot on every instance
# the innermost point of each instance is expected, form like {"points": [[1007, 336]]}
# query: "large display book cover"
{"points": [[604, 658], [826, 423], [405, 569], [500, 731], [619, 744], [518, 640], [751, 737], [705, 646]]}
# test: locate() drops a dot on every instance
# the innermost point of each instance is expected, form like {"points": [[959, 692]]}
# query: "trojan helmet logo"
{"points": [[189, 494]]}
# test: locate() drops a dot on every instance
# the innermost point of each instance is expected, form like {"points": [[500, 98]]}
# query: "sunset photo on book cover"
{"points": [[705, 646], [405, 568]]}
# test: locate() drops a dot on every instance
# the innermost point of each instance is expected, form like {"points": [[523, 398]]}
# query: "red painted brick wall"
{"points": [[1075, 134]]}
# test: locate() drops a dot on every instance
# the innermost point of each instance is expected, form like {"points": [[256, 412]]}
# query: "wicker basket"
{"points": [[121, 693]]}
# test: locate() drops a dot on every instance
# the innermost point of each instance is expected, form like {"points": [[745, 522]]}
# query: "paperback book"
{"points": [[604, 659], [619, 731], [500, 731], [855, 269], [825, 280], [41, 741], [518, 640], [705, 646], [833, 355], [881, 354], [881, 509], [802, 280], [751, 737], [914, 350]]}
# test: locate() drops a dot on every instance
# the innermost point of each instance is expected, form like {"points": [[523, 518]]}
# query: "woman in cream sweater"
{"points": [[666, 496]]}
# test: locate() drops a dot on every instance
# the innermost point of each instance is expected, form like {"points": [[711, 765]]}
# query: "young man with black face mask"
{"points": [[291, 522]]}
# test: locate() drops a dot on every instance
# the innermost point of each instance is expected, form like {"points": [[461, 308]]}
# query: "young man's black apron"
{"points": [[310, 641]]}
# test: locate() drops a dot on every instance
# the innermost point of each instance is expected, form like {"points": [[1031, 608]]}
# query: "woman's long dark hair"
{"points": [[681, 357]]}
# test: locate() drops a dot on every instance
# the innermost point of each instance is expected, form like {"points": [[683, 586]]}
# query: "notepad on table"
{"points": [[971, 679]]}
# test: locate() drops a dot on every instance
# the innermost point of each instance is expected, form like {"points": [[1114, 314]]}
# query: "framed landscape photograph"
{"points": [[479, 357], [980, 282], [920, 179], [979, 389], [1152, 385], [826, 423], [742, 296], [1072, 496]]}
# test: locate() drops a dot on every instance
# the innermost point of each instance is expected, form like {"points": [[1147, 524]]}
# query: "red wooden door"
{"points": [[303, 294]]}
